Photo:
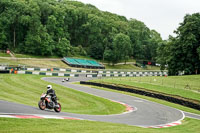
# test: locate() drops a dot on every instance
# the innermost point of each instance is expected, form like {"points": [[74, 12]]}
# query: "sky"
{"points": [[162, 15]]}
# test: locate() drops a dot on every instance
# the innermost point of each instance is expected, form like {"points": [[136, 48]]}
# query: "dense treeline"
{"points": [[182, 53], [66, 28]]}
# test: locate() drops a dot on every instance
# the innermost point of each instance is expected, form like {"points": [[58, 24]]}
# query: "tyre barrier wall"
{"points": [[99, 73], [178, 100], [4, 71], [45, 73]]}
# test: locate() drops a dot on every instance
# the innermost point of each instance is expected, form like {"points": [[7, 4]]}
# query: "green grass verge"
{"points": [[4, 55], [26, 89], [10, 125], [162, 84]]}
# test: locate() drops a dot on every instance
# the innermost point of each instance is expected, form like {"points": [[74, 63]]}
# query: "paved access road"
{"points": [[145, 114]]}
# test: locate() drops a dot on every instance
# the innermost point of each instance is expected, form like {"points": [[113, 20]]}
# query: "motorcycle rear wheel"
{"points": [[41, 105]]}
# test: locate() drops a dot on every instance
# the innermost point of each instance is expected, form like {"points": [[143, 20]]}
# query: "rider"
{"points": [[52, 93]]}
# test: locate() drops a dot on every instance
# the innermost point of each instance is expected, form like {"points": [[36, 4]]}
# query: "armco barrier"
{"points": [[47, 73], [174, 99]]}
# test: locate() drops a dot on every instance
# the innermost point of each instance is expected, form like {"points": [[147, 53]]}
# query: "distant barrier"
{"points": [[174, 99], [95, 73], [51, 69], [46, 73], [127, 74]]}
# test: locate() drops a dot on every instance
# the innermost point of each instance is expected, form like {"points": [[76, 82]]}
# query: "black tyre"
{"points": [[41, 105], [58, 109]]}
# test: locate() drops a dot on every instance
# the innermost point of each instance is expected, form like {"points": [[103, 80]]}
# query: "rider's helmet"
{"points": [[49, 87]]}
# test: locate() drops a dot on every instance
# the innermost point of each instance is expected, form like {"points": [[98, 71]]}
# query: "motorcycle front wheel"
{"points": [[41, 105], [58, 109]]}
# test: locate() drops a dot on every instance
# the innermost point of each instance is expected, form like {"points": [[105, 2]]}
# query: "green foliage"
{"points": [[63, 47], [181, 53], [198, 51], [120, 49], [58, 27]]}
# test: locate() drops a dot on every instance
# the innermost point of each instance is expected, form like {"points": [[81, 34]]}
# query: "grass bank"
{"points": [[130, 67], [10, 125], [183, 86], [54, 61], [26, 89], [43, 63]]}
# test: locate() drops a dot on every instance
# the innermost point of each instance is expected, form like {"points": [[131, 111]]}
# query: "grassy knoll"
{"points": [[130, 67], [174, 85], [33, 56], [44, 63], [41, 61], [127, 66], [26, 89], [10, 125]]}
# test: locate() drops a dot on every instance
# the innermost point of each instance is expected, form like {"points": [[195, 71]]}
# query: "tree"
{"points": [[198, 51], [63, 47], [121, 49], [183, 50], [153, 43], [45, 27], [140, 36]]}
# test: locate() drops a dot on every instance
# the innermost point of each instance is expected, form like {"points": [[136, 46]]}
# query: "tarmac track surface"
{"points": [[145, 113]]}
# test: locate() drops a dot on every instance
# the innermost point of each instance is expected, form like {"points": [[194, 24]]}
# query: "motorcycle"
{"points": [[46, 102]]}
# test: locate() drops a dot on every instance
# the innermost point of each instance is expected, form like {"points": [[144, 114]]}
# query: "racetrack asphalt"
{"points": [[145, 114]]}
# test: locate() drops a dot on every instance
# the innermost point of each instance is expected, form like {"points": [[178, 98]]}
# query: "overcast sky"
{"points": [[162, 15]]}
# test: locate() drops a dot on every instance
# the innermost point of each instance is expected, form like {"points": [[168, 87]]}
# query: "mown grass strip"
{"points": [[10, 125]]}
